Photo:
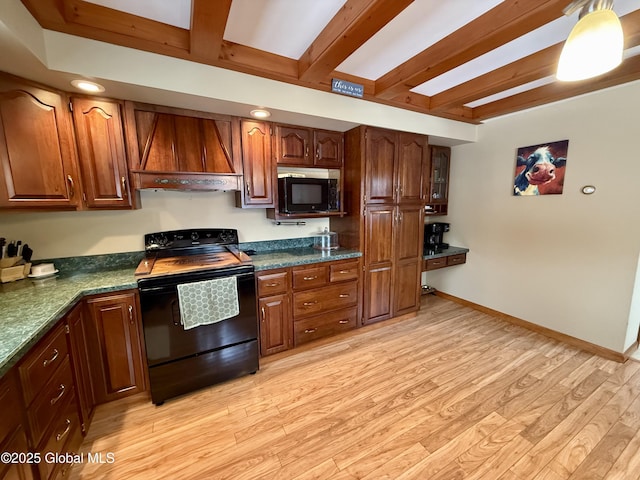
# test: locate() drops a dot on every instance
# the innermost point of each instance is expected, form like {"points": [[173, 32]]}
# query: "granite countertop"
{"points": [[29, 308], [447, 252], [266, 260]]}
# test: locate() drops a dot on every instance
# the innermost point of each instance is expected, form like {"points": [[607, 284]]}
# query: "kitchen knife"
{"points": [[19, 248], [3, 248], [11, 250], [26, 253]]}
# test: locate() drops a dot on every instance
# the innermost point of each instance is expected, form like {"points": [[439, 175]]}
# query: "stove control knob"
{"points": [[195, 236], [162, 240]]}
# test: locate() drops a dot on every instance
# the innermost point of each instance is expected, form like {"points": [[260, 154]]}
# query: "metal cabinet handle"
{"points": [[310, 330], [49, 361], [72, 190], [318, 152], [272, 284], [248, 189], [306, 149], [123, 180], [131, 314], [310, 278], [263, 313], [342, 322], [344, 271], [309, 304], [344, 295], [55, 399], [63, 434]]}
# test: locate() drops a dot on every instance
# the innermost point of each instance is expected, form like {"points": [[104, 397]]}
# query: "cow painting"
{"points": [[540, 169]]}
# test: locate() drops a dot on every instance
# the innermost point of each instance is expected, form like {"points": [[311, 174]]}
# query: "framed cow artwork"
{"points": [[540, 169]]}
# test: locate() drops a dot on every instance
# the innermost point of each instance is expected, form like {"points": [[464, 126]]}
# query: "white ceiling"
{"points": [[288, 27]]}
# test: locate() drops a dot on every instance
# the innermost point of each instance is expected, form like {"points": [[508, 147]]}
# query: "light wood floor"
{"points": [[451, 394]]}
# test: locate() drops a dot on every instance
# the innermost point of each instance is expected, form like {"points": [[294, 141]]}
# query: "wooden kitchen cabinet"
{"points": [[76, 320], [114, 345], [384, 181], [12, 433], [102, 153], [38, 165], [307, 147], [50, 399], [438, 195], [257, 164], [274, 307]]}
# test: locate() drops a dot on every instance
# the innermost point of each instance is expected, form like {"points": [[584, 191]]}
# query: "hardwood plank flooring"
{"points": [[452, 394]]}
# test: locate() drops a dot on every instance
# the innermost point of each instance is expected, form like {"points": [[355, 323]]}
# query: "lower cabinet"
{"points": [[116, 353], [13, 438], [308, 302]]}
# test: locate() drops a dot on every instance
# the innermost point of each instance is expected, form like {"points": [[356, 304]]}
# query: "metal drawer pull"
{"points": [[63, 434], [343, 321], [62, 389], [131, 314], [72, 190], [52, 359], [310, 330], [263, 313], [344, 295], [272, 284], [308, 304], [344, 271], [310, 278]]}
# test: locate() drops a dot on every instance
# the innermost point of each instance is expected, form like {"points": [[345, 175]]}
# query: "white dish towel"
{"points": [[207, 302]]}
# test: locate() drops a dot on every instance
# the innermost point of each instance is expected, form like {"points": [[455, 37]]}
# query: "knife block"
{"points": [[9, 261], [17, 272]]}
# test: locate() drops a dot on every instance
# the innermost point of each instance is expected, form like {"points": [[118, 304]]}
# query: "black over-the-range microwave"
{"points": [[308, 195]]}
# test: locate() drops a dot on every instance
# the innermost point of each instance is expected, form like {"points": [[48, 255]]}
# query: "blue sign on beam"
{"points": [[347, 88]]}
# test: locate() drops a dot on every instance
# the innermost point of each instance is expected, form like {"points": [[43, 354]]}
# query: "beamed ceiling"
{"points": [[467, 60]]}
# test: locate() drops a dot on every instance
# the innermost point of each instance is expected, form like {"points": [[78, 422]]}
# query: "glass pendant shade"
{"points": [[594, 47]]}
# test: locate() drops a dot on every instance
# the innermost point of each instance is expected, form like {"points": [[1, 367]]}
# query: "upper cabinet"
{"points": [[37, 155], [101, 152], [259, 172], [438, 197], [396, 162], [183, 149], [306, 147]]}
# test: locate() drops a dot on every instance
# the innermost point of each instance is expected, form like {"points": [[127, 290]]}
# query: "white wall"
{"points": [[566, 262], [73, 234]]}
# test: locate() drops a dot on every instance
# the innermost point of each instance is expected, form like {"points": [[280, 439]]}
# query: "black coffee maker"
{"points": [[434, 237]]}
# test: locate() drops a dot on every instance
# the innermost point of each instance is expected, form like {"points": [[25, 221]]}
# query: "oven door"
{"points": [[165, 338]]}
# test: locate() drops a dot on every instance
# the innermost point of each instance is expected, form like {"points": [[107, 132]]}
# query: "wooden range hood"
{"points": [[181, 149]]}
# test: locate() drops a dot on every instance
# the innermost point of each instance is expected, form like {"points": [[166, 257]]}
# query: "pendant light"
{"points": [[595, 44]]}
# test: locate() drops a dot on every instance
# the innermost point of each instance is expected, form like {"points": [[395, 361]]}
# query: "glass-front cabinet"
{"points": [[437, 200]]}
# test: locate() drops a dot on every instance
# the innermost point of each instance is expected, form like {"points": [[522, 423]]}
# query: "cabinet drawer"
{"points": [[339, 272], [309, 277], [456, 259], [272, 283], [10, 401], [42, 361], [324, 325], [435, 263], [324, 300], [46, 406], [61, 436]]}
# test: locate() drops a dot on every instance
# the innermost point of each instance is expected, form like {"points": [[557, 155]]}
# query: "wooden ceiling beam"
{"points": [[257, 62], [208, 21], [629, 71], [125, 24], [502, 24], [355, 23], [533, 67]]}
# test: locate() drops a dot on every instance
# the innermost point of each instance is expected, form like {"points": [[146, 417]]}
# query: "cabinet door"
{"points": [[377, 293], [80, 364], [115, 348], [329, 149], [379, 224], [101, 152], [381, 151], [409, 232], [17, 442], [275, 324], [439, 188], [293, 146], [257, 164], [406, 283], [413, 157], [37, 157]]}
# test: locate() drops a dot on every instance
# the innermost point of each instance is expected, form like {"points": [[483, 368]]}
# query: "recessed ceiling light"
{"points": [[87, 86], [260, 113]]}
